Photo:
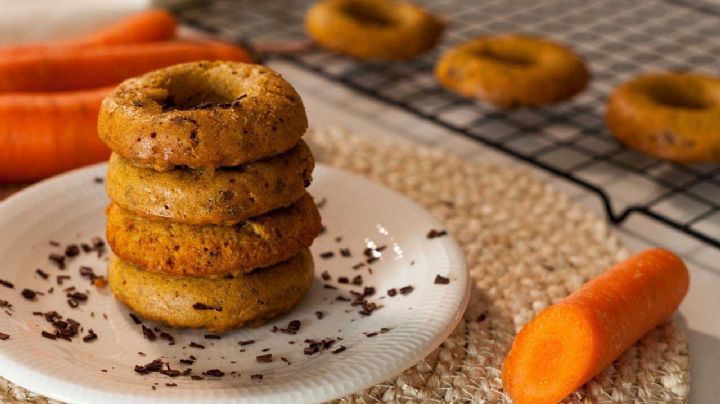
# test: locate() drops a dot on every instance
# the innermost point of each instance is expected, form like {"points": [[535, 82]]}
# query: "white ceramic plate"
{"points": [[357, 213]]}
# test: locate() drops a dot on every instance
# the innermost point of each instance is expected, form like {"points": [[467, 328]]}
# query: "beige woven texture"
{"points": [[526, 246]]}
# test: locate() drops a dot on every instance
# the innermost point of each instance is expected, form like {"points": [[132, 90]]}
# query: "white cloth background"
{"points": [[38, 20]]}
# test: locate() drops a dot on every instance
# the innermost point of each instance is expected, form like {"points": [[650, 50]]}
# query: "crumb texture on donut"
{"points": [[373, 29], [213, 250], [225, 196], [672, 116], [213, 304], [202, 115], [513, 70]]}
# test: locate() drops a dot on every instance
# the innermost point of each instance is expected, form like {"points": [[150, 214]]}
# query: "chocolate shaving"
{"points": [[79, 296], [341, 348], [154, 366], [368, 308], [135, 318], [256, 376], [196, 345], [247, 342], [212, 336], [148, 334], [62, 278], [319, 315], [203, 306], [325, 276], [436, 233], [441, 280], [357, 280], [4, 336], [28, 294], [343, 280], [72, 251], [48, 335], [7, 284], [264, 358], [214, 373], [327, 255], [406, 290], [42, 273], [58, 260], [167, 337], [345, 252], [90, 337], [318, 346]]}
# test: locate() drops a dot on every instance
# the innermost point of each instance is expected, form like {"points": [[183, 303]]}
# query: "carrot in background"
{"points": [[145, 26], [84, 68], [570, 342], [43, 134]]}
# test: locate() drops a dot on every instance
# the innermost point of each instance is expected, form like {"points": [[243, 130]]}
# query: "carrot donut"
{"points": [[373, 29], [672, 116], [226, 196], [513, 70], [213, 304], [212, 250], [202, 115]]}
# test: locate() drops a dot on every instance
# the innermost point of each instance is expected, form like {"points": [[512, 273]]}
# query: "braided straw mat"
{"points": [[526, 246]]}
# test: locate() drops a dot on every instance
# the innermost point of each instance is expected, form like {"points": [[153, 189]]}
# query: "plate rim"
{"points": [[42, 383]]}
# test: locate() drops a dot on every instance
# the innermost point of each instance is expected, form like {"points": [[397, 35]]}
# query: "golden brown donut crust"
{"points": [[373, 29], [672, 116], [225, 196], [249, 299], [513, 70], [202, 115], [213, 250]]}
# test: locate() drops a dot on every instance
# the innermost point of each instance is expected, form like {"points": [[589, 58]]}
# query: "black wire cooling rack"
{"points": [[618, 39]]}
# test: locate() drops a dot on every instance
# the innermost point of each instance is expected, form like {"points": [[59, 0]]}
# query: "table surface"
{"points": [[330, 104]]}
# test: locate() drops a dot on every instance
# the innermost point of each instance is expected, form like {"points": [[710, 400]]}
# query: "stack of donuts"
{"points": [[210, 222]]}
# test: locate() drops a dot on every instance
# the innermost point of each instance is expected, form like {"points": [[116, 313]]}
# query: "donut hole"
{"points": [[507, 55], [367, 13], [685, 94], [190, 92]]}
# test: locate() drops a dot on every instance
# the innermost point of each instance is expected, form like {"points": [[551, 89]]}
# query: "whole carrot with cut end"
{"points": [[42, 134], [570, 342], [84, 68], [145, 26]]}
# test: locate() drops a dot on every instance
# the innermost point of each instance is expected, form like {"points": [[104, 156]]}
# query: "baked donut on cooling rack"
{"points": [[672, 116], [513, 70], [373, 29]]}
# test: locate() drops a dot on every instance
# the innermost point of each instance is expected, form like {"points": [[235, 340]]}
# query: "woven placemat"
{"points": [[526, 247]]}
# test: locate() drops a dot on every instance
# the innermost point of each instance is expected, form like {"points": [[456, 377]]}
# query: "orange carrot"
{"points": [[570, 342], [85, 68], [42, 134], [146, 26]]}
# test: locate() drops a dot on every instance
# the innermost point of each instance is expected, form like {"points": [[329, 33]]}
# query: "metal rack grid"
{"points": [[617, 38]]}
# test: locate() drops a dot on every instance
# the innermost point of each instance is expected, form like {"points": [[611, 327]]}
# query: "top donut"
{"points": [[202, 115]]}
